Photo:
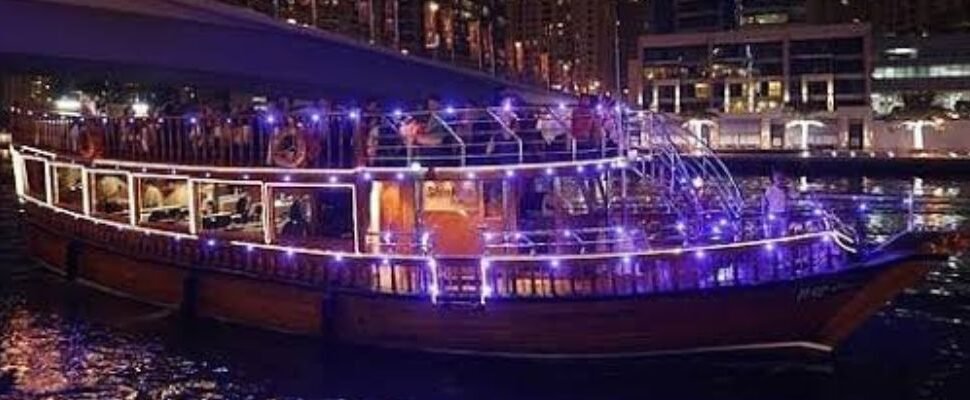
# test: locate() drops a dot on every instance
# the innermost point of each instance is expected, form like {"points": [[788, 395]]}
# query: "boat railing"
{"points": [[877, 216], [459, 143], [313, 140], [400, 242], [686, 164], [505, 119], [639, 271], [662, 232], [666, 270], [562, 241], [344, 139]]}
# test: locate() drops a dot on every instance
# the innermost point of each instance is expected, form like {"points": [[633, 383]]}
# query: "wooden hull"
{"points": [[815, 312]]}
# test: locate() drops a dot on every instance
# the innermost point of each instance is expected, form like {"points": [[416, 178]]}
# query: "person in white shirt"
{"points": [[774, 206]]}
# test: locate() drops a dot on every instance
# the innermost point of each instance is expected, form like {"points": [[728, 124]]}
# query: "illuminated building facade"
{"points": [[636, 18], [756, 81], [566, 45], [770, 12], [704, 15], [937, 66], [468, 33], [896, 17]]}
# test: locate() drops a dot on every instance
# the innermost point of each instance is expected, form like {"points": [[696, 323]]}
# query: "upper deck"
{"points": [[314, 139]]}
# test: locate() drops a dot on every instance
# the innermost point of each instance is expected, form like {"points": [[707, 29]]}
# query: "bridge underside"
{"points": [[207, 43]]}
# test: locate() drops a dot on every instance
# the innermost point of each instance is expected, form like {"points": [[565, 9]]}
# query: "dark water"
{"points": [[61, 341]]}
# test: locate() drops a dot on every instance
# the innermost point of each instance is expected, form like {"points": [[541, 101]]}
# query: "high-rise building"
{"points": [[896, 17], [636, 18], [921, 16], [456, 31], [769, 12], [936, 68], [567, 45], [758, 81], [463, 32], [704, 15], [720, 15]]}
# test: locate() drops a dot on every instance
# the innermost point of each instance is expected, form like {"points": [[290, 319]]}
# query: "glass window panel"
{"points": [[110, 196], [164, 203], [774, 89], [702, 90], [36, 180], [230, 209], [68, 190], [318, 216]]}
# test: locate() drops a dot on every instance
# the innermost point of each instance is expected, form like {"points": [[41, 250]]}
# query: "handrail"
{"points": [[508, 130], [461, 143], [446, 280], [316, 139], [566, 128]]}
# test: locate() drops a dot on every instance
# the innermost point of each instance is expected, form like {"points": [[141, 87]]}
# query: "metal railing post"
{"points": [[458, 139], [507, 129]]}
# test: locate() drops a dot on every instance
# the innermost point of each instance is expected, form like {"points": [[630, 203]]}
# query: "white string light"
{"points": [[484, 288], [554, 261]]}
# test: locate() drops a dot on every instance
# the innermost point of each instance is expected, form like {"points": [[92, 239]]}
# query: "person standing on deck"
{"points": [[582, 125], [367, 134], [774, 206]]}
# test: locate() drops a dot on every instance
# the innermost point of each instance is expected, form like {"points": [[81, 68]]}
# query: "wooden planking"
{"points": [[809, 309], [874, 296], [150, 281], [716, 317], [260, 303], [49, 248]]}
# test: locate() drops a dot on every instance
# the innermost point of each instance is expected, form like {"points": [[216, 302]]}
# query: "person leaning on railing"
{"points": [[609, 131], [239, 136], [367, 134], [526, 127], [472, 127], [583, 124], [503, 147]]}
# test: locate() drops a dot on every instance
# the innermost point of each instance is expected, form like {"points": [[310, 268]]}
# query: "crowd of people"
{"points": [[326, 134]]}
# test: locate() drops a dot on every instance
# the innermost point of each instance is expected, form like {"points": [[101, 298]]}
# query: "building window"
{"points": [[702, 91], [36, 180], [850, 86], [765, 19], [774, 89], [923, 71]]}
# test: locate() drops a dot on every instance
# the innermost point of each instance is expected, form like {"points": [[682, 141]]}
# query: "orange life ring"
{"points": [[91, 141], [289, 148]]}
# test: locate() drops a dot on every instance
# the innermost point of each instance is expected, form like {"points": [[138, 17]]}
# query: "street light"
{"points": [[805, 124], [916, 126]]}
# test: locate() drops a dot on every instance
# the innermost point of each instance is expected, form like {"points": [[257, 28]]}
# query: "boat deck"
{"points": [[600, 244]]}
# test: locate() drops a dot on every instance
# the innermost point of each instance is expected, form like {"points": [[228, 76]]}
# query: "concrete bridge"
{"points": [[208, 43]]}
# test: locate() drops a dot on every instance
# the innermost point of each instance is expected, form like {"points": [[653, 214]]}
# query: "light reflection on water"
{"points": [[61, 341]]}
